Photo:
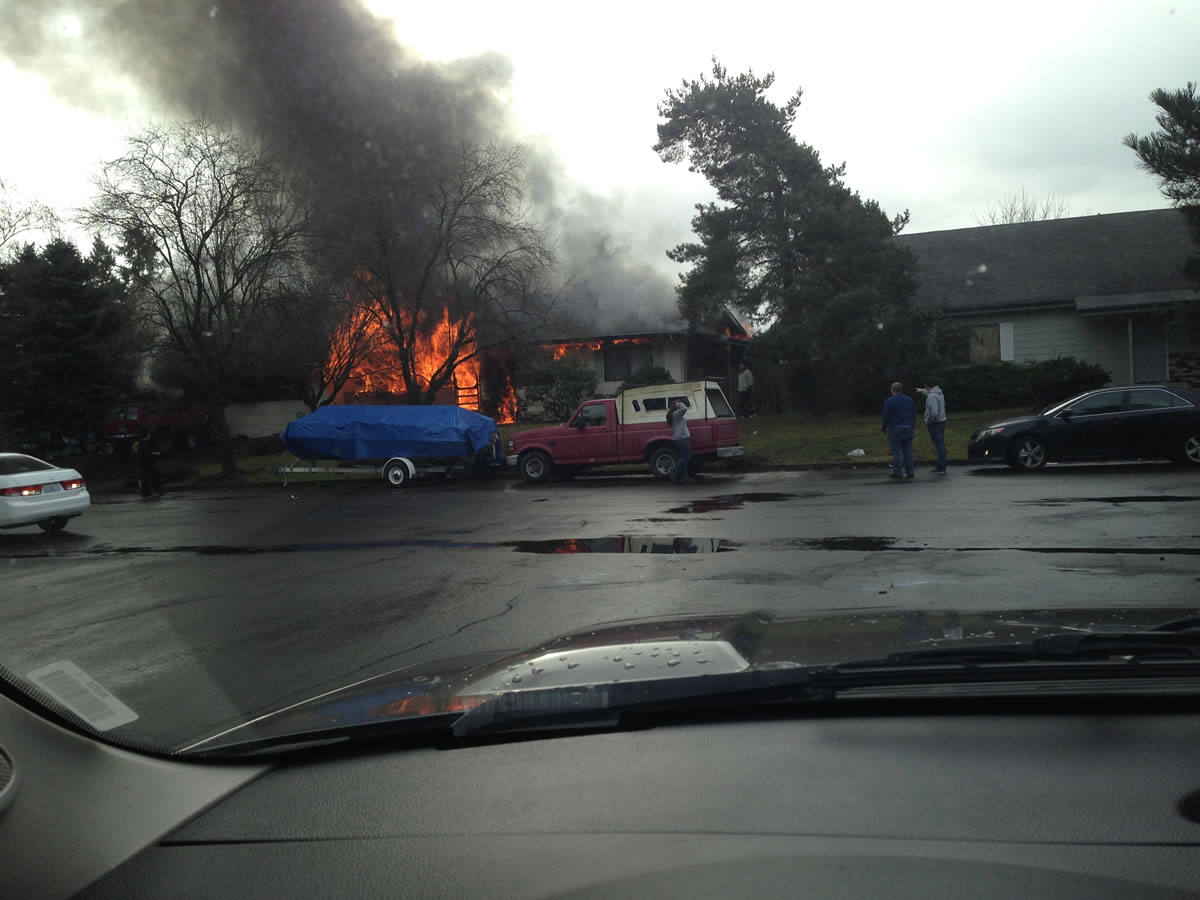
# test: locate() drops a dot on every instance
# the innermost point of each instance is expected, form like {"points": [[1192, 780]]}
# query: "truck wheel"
{"points": [[536, 467], [396, 474], [662, 461], [164, 441]]}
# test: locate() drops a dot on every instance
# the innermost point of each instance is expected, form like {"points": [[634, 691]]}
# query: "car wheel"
{"points": [[1191, 449], [662, 461], [396, 474], [536, 467], [1027, 453], [53, 526]]}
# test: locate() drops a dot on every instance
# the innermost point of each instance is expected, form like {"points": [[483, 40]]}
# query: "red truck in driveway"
{"points": [[631, 428]]}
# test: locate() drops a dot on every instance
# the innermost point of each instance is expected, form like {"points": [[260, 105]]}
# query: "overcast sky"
{"points": [[940, 108]]}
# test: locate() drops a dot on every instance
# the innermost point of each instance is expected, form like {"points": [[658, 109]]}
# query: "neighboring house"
{"points": [[1094, 287], [712, 352]]}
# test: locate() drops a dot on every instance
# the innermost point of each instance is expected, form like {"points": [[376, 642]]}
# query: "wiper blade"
{"points": [[1137, 646]]}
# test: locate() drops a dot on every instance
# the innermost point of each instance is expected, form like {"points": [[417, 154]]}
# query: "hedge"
{"points": [[1031, 384]]}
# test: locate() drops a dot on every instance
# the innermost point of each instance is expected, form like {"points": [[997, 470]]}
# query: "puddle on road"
{"points": [[613, 544], [1064, 501], [626, 544], [730, 501]]}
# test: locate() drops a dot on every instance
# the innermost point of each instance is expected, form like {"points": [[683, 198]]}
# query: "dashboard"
{"points": [[1090, 804]]}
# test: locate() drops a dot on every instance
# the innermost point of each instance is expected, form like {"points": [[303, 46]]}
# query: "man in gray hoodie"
{"points": [[935, 421]]}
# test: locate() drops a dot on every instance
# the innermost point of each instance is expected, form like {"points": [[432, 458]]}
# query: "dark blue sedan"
{"points": [[1137, 422]]}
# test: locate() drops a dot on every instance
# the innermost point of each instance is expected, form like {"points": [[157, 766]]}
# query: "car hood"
{"points": [[679, 648], [1010, 423]]}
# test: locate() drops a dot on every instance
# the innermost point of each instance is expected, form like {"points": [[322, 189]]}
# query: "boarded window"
{"points": [[985, 343]]}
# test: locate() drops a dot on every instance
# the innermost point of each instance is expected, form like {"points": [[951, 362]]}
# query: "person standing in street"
{"points": [[935, 422], [147, 471], [683, 442], [745, 391], [899, 420]]}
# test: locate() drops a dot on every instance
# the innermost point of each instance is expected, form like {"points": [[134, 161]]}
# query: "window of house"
{"points": [[984, 343], [990, 343], [620, 360]]}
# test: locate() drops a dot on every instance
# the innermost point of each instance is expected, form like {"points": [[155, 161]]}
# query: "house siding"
{"points": [[1050, 334]]}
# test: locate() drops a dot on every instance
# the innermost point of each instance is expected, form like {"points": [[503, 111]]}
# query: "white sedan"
{"points": [[35, 492]]}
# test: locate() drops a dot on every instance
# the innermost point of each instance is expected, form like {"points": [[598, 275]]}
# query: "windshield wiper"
{"points": [[1181, 643]]}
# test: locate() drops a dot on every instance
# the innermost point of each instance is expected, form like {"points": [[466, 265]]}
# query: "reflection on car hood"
{"points": [[652, 649]]}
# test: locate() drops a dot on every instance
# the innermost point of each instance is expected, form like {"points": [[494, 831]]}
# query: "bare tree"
{"points": [[216, 227], [325, 334], [1023, 207], [454, 250], [19, 216]]}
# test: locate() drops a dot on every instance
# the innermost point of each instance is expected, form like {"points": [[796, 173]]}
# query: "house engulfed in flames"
{"points": [[481, 379]]}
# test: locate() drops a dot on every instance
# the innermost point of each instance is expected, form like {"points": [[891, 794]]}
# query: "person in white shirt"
{"points": [[745, 391]]}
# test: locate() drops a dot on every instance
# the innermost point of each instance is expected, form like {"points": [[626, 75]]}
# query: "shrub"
{"points": [[644, 376], [558, 386], [1028, 384]]}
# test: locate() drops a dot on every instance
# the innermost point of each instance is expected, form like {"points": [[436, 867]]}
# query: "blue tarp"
{"points": [[381, 432]]}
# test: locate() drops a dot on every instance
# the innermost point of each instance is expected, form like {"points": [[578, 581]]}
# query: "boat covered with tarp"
{"points": [[384, 432]]}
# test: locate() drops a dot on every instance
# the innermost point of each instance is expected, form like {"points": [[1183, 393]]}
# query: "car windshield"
{"points": [[359, 327]]}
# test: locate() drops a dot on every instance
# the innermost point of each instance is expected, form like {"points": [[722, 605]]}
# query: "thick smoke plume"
{"points": [[325, 84]]}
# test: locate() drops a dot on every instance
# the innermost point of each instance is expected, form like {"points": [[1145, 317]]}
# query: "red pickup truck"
{"points": [[631, 428], [168, 421]]}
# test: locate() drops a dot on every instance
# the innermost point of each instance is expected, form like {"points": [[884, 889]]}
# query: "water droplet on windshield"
{"points": [[674, 662], [572, 665], [516, 679], [617, 658], [630, 665], [537, 670]]}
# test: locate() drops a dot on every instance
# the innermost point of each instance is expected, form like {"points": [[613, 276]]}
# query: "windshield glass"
{"points": [[363, 325]]}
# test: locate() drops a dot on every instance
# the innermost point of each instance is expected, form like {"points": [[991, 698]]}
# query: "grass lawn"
{"points": [[790, 439], [804, 439]]}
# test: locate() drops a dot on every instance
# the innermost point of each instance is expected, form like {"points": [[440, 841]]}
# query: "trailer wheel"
{"points": [[396, 474], [536, 467]]}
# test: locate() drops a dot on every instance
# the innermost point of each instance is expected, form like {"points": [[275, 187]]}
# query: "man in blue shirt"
{"points": [[899, 419]]}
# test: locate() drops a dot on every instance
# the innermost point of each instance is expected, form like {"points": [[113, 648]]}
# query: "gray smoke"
{"points": [[325, 84]]}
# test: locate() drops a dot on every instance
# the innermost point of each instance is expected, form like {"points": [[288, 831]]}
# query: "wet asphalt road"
{"points": [[201, 607]]}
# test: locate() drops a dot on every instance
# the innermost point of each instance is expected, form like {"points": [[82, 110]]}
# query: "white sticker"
{"points": [[82, 695]]}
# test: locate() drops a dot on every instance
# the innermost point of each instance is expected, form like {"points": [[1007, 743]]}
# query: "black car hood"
{"points": [[651, 649]]}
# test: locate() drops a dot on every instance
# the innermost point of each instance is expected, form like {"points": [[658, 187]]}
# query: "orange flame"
{"points": [[560, 350], [379, 371]]}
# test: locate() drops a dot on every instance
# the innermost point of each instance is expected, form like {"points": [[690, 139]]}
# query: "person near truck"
{"points": [[147, 470], [899, 419], [683, 442], [745, 390], [935, 422]]}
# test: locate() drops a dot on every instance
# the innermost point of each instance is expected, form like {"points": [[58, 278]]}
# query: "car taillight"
{"points": [[73, 485], [28, 490]]}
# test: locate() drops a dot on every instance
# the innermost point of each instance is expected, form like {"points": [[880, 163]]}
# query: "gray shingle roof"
{"points": [[1052, 262]]}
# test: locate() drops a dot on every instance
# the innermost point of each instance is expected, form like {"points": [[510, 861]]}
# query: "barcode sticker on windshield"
{"points": [[80, 693]]}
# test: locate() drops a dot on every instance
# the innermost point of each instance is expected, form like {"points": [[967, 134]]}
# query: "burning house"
{"points": [[688, 353]]}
